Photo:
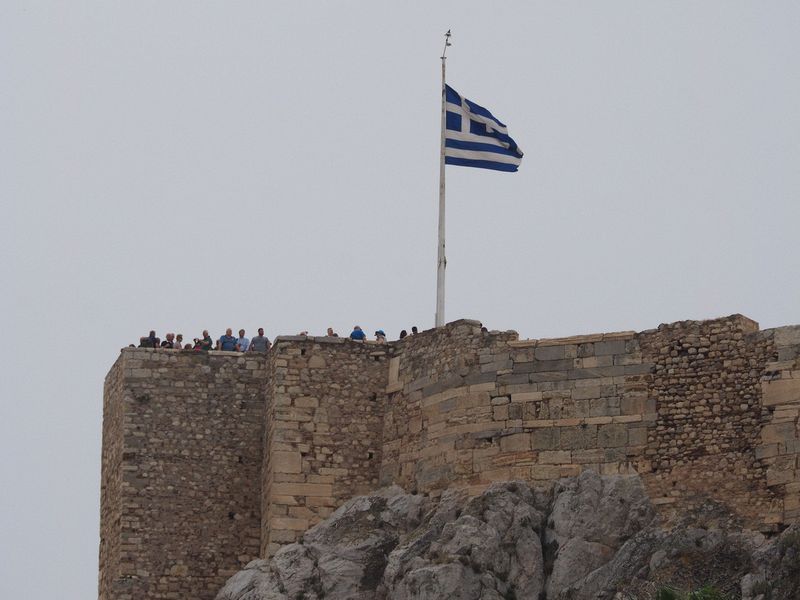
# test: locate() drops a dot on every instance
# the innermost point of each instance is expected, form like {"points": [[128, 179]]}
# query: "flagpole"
{"points": [[442, 261]]}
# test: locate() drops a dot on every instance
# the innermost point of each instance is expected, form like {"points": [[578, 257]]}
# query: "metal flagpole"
{"points": [[442, 261]]}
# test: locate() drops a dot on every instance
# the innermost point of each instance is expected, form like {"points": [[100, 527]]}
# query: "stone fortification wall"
{"points": [[778, 441], [511, 409], [181, 458], [707, 384], [111, 509], [324, 411], [211, 459], [681, 405]]}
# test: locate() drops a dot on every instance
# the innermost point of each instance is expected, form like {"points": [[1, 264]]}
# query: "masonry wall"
{"points": [[707, 384], [111, 508], [511, 409], [683, 405], [325, 404], [181, 461], [778, 441], [212, 459]]}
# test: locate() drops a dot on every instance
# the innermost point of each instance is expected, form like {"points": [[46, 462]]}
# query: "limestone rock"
{"points": [[592, 517], [589, 537]]}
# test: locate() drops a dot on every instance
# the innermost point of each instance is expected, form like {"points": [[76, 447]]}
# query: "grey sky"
{"points": [[188, 165]]}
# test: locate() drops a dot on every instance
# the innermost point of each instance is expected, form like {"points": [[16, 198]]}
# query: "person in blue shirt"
{"points": [[227, 342], [358, 334], [242, 344]]}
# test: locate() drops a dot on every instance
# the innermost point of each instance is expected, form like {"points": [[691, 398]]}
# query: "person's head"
{"points": [[152, 333], [330, 330], [205, 333], [179, 337], [241, 333], [380, 334], [403, 334], [170, 337], [261, 331], [356, 328], [229, 331], [414, 329]]}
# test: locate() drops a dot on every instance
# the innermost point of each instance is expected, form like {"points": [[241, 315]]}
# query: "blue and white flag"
{"points": [[474, 137]]}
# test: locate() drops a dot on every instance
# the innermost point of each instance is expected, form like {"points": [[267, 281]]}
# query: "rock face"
{"points": [[589, 537]]}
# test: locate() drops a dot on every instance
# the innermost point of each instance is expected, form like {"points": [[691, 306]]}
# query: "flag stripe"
{"points": [[480, 146], [471, 137], [477, 155], [481, 164]]}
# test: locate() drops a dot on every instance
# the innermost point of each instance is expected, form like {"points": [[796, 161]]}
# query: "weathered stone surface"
{"points": [[591, 518], [513, 541]]}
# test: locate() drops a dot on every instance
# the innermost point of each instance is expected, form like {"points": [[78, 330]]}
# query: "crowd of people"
{"points": [[260, 343]]}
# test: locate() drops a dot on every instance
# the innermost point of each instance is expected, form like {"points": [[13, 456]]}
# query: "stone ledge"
{"points": [[575, 339]]}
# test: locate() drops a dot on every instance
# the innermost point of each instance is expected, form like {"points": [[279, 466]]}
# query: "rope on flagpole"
{"points": [[442, 260]]}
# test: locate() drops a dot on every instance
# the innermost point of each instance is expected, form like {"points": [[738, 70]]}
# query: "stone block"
{"points": [[482, 387], [500, 413], [545, 439], [517, 442], [286, 462], [592, 456], [545, 472], [578, 438], [292, 524], [778, 433], [545, 366], [548, 376], [609, 347], [555, 457], [642, 369], [513, 379], [526, 396], [592, 362], [632, 405], [302, 489], [612, 436], [306, 402], [637, 436], [316, 362], [781, 391], [627, 419], [549, 353], [586, 393]]}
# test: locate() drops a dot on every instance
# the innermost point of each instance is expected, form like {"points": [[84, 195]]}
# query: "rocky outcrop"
{"points": [[589, 537]]}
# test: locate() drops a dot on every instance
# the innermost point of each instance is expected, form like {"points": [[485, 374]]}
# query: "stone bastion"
{"points": [[213, 459]]}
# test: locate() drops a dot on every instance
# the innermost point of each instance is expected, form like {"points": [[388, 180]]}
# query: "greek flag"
{"points": [[474, 137]]}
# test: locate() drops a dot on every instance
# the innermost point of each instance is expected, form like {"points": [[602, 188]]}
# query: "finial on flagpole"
{"points": [[446, 44]]}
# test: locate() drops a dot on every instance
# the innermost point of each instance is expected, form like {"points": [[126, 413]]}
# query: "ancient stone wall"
{"points": [[181, 461], [211, 459], [325, 403], [509, 409], [707, 385], [111, 509], [778, 442], [681, 405]]}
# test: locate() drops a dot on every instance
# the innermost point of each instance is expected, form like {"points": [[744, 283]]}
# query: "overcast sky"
{"points": [[188, 165]]}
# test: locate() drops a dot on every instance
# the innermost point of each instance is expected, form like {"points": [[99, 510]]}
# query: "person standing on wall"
{"points": [[227, 342], [259, 343], [242, 344]]}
